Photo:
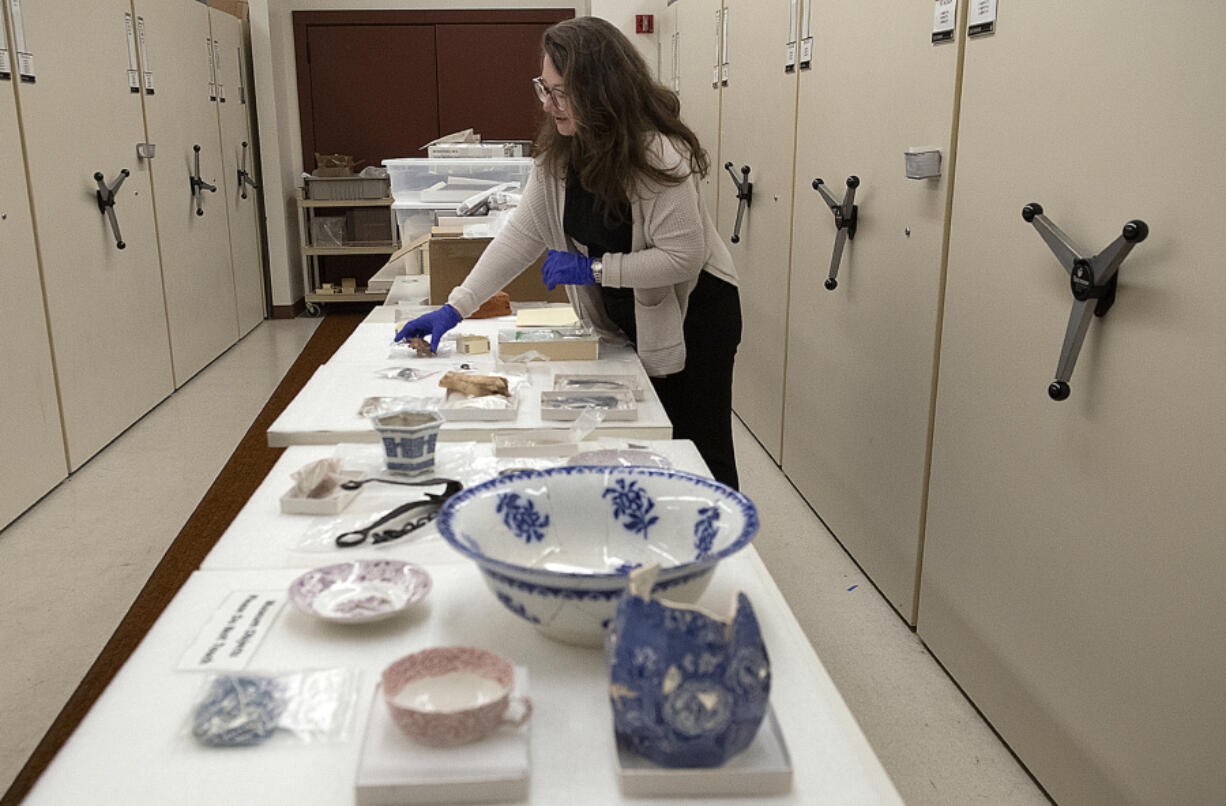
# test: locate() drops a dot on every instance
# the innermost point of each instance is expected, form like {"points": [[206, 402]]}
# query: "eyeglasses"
{"points": [[557, 96]]}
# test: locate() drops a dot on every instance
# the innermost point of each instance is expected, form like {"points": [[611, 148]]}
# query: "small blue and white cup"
{"points": [[409, 439]]}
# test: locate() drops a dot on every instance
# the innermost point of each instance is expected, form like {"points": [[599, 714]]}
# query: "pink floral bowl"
{"points": [[448, 696]]}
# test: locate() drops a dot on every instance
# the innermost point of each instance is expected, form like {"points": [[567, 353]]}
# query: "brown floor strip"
{"points": [[244, 471]]}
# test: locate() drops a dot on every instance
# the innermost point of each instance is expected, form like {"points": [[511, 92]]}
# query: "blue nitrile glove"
{"points": [[433, 324], [566, 268]]}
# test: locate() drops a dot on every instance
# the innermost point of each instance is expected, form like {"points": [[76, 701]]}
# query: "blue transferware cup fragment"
{"points": [[409, 439], [687, 689]]}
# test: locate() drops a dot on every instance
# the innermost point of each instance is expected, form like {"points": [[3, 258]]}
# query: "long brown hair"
{"points": [[617, 106]]}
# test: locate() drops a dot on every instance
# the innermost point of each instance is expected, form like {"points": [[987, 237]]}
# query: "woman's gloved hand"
{"points": [[566, 268], [433, 324]]}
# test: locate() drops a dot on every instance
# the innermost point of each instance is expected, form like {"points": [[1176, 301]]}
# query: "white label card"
{"points": [[144, 55], [25, 59], [6, 70], [719, 16], [944, 18], [982, 18], [806, 53], [233, 633], [133, 76]]}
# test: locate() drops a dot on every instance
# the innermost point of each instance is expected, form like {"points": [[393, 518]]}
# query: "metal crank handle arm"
{"points": [[244, 178], [197, 183], [744, 195], [356, 537], [846, 214], [106, 203]]}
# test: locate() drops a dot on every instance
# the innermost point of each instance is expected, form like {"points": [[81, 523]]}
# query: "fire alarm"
{"points": [[644, 23]]}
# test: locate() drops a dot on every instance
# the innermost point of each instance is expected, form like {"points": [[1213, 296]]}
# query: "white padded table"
{"points": [[326, 410], [133, 746], [262, 537]]}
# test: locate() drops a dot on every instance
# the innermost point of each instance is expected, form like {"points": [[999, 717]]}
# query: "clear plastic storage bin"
{"points": [[442, 182]]}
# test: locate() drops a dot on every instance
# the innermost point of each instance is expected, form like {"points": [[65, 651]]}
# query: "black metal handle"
{"points": [[1092, 282], [846, 215], [199, 184], [106, 202], [244, 178], [744, 195]]}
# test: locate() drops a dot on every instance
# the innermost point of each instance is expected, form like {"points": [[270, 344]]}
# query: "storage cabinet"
{"points": [[34, 459], [1073, 564], [861, 355], [757, 131], [240, 174], [698, 53], [181, 96], [105, 305]]}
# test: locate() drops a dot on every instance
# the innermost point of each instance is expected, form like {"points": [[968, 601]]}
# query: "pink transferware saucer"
{"points": [[359, 591]]}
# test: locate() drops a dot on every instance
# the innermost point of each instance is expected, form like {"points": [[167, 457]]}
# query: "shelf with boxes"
{"points": [[353, 217]]}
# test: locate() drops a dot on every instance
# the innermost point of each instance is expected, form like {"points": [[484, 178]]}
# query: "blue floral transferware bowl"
{"points": [[555, 546], [688, 688]]}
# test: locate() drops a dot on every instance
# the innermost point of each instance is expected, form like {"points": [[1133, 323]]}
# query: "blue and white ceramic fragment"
{"points": [[556, 546], [688, 688]]}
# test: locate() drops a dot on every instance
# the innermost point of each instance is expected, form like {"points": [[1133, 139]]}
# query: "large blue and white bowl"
{"points": [[555, 546]]}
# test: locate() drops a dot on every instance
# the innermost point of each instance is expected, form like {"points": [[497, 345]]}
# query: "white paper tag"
{"points": [[944, 18], [719, 16], [25, 59], [6, 70], [982, 18], [806, 53], [144, 55], [232, 635]]}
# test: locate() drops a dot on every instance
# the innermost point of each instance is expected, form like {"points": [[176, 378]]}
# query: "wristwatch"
{"points": [[597, 270]]}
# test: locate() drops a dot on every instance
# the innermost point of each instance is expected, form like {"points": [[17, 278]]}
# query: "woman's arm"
{"points": [[513, 249]]}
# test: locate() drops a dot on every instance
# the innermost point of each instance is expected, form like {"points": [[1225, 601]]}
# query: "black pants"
{"points": [[698, 399]]}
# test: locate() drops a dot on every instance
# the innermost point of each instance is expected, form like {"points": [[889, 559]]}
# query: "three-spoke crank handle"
{"points": [[846, 215], [106, 202], [744, 195], [1092, 282], [198, 184], [244, 178]]}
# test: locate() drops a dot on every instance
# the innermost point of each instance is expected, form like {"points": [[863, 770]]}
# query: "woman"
{"points": [[615, 201]]}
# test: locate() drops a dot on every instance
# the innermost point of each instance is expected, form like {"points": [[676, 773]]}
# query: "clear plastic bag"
{"points": [[244, 710]]}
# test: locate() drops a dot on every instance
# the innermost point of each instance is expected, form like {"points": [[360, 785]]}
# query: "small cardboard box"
{"points": [[449, 260], [237, 8]]}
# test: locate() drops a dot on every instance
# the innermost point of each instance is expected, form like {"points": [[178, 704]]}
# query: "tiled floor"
{"points": [[70, 567]]}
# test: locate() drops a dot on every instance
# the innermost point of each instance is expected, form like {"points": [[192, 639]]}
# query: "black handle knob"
{"points": [[853, 181], [831, 283], [97, 176], [735, 239], [1136, 231], [1058, 390], [1031, 210], [817, 183], [120, 245]]}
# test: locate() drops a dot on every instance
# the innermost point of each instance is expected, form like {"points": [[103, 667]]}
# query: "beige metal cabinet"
{"points": [[191, 207], [861, 355], [105, 304], [757, 130], [1074, 561], [30, 431], [238, 154], [698, 56]]}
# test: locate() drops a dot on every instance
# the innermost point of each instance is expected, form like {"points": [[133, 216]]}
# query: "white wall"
{"points": [[622, 12], [272, 38]]}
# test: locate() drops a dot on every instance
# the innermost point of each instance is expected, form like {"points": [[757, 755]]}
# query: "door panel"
{"points": [[192, 230], [861, 356], [757, 129], [105, 304], [382, 77], [242, 202], [30, 430], [1074, 554], [497, 104]]}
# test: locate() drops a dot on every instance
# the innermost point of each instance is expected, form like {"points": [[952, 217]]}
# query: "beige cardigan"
{"points": [[673, 241]]}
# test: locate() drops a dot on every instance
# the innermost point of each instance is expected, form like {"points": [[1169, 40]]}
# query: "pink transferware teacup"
{"points": [[448, 696]]}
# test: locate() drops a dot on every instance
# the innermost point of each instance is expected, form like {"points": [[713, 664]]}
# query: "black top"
{"points": [[586, 225]]}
